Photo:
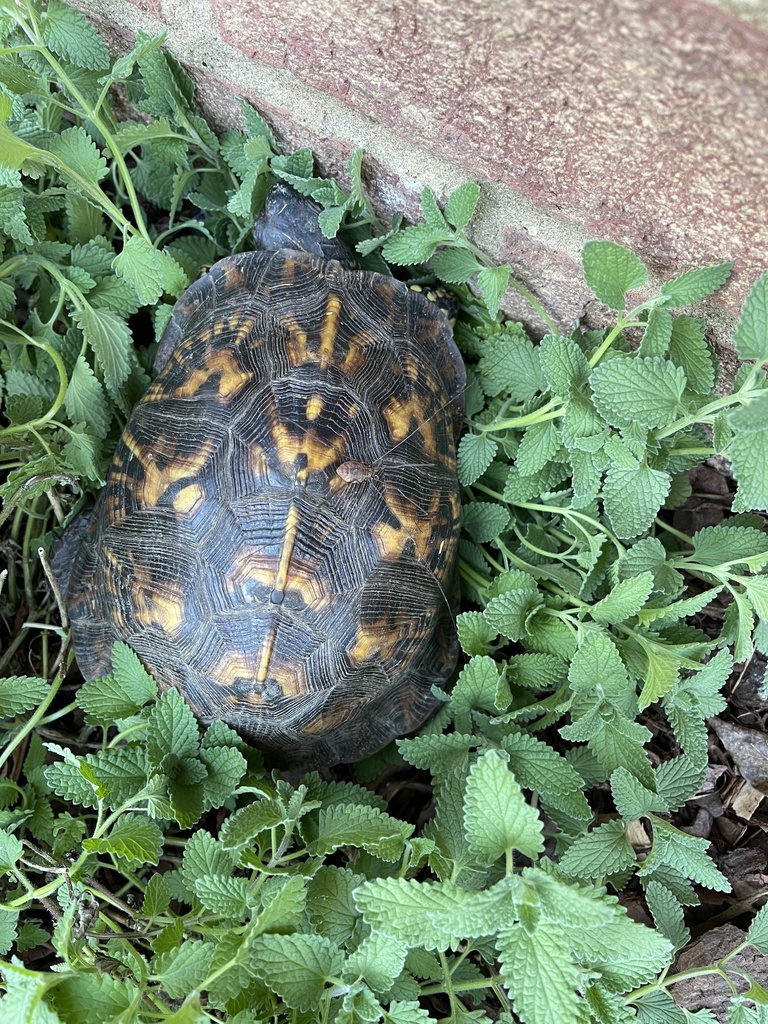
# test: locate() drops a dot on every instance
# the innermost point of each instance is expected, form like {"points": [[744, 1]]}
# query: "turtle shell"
{"points": [[277, 536]]}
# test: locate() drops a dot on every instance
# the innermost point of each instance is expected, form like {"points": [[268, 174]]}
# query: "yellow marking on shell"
{"points": [[407, 417], [222, 361], [296, 345], [265, 656], [377, 644], [320, 454], [289, 543], [187, 498], [162, 606], [314, 406], [233, 666], [356, 353], [329, 330], [416, 525], [156, 481]]}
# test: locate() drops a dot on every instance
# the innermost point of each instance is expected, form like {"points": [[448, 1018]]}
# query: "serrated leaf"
{"points": [[85, 401], [13, 216], [78, 153], [537, 446], [751, 337], [455, 265], [248, 822], [606, 850], [171, 729], [687, 854], [510, 364], [11, 849], [493, 282], [68, 34], [597, 663], [667, 914], [157, 897], [433, 216], [633, 800], [360, 826], [540, 974], [139, 264], [511, 613], [413, 245], [110, 338], [728, 546], [21, 693], [296, 967], [484, 520], [204, 856], [226, 896], [184, 968], [678, 779], [564, 364], [133, 839], [624, 601], [632, 498], [479, 686], [658, 331], [696, 284], [475, 454], [460, 208], [610, 270], [749, 454], [757, 935], [417, 913], [689, 348], [497, 818], [378, 960], [633, 389], [475, 632]]}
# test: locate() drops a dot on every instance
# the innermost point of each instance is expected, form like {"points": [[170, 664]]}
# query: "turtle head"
{"points": [[289, 221]]}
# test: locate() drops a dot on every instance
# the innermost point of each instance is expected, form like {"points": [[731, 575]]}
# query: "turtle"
{"points": [[277, 535]]}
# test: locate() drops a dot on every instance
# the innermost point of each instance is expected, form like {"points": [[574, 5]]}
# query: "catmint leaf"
{"points": [[660, 675], [283, 900], [203, 855], [455, 265], [226, 896], [296, 967], [106, 700], [430, 209], [536, 671], [666, 615], [418, 913], [13, 215], [667, 914], [85, 401], [564, 365], [539, 443], [624, 601], [751, 337], [633, 800], [497, 818], [69, 781], [658, 331], [549, 635], [242, 827], [597, 663], [492, 282], [484, 520], [511, 612], [407, 1012], [21, 693], [110, 338], [757, 935], [360, 826], [604, 851], [68, 34], [171, 729], [510, 363], [378, 959], [461, 206], [475, 632], [480, 686], [11, 849], [749, 453], [689, 349], [619, 744], [537, 766], [696, 284], [537, 966], [475, 454], [632, 498], [133, 839], [610, 271], [157, 897], [437, 754], [78, 153], [330, 905], [687, 854], [185, 968], [138, 264], [414, 245], [121, 774], [678, 779], [734, 547], [633, 389]]}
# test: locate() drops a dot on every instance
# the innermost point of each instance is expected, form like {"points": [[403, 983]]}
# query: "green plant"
{"points": [[156, 867]]}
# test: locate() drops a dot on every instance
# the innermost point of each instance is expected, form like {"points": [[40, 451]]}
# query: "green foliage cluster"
{"points": [[308, 901]]}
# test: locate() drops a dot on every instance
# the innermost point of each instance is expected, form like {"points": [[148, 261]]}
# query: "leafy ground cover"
{"points": [[482, 870]]}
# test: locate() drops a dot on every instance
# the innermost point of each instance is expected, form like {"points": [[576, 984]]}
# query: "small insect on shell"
{"points": [[354, 472]]}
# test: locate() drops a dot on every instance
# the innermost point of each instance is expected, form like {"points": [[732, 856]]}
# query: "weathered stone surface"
{"points": [[639, 122]]}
